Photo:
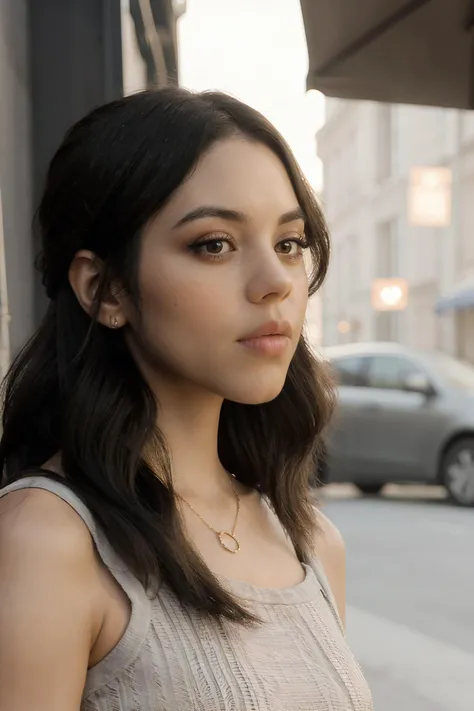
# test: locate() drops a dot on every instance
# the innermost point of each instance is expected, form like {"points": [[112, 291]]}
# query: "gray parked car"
{"points": [[404, 416]]}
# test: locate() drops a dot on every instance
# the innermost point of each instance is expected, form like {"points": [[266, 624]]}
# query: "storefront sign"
{"points": [[429, 197]]}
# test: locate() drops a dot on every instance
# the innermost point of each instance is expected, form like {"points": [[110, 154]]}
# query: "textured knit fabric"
{"points": [[175, 659]]}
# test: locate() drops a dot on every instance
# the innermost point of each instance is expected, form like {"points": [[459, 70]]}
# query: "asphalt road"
{"points": [[410, 566]]}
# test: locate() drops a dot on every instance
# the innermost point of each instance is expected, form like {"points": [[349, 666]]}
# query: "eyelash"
{"points": [[301, 241]]}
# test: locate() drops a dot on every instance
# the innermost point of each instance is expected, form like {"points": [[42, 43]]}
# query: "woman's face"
{"points": [[222, 278]]}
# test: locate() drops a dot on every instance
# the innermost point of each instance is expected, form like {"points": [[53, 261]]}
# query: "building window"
{"points": [[386, 266], [387, 250], [354, 275], [339, 272], [384, 145], [386, 326]]}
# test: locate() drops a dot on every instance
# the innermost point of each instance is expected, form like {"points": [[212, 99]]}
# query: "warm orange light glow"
{"points": [[389, 294]]}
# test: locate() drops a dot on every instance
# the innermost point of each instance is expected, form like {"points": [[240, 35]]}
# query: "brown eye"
{"points": [[212, 247], [286, 247], [215, 247], [291, 247]]}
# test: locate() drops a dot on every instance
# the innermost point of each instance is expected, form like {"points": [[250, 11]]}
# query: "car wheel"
{"points": [[458, 472], [371, 488]]}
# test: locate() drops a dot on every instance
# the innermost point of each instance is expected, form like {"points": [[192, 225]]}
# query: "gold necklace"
{"points": [[227, 539]]}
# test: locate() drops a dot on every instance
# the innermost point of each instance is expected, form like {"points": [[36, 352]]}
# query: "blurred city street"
{"points": [[410, 602]]}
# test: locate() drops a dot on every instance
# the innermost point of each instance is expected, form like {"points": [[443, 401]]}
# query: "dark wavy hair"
{"points": [[75, 388]]}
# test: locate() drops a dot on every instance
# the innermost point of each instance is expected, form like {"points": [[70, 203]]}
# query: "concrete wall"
{"points": [[15, 166]]}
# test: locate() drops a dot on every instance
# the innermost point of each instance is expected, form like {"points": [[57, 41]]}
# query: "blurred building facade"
{"points": [[368, 150], [59, 59]]}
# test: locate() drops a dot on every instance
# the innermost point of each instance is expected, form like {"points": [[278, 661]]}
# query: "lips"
{"points": [[271, 328], [270, 339]]}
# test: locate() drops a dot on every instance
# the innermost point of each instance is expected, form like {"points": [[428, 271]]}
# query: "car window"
{"points": [[351, 371], [390, 372]]}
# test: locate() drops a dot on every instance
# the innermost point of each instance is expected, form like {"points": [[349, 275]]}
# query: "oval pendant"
{"points": [[228, 541]]}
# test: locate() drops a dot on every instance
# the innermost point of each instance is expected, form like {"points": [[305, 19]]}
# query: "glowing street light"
{"points": [[344, 327], [389, 294]]}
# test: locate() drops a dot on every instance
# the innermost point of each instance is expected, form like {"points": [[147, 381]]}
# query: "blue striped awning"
{"points": [[460, 297]]}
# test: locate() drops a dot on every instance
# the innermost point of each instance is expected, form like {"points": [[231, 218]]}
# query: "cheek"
{"points": [[176, 304]]}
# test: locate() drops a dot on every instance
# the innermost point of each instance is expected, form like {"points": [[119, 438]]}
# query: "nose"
{"points": [[270, 280]]}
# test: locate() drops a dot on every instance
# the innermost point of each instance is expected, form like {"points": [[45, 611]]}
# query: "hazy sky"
{"points": [[255, 50]]}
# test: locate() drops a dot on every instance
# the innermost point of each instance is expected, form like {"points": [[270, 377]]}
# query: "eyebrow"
{"points": [[200, 213], [292, 216]]}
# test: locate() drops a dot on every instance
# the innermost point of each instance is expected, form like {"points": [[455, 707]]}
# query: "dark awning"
{"points": [[400, 51]]}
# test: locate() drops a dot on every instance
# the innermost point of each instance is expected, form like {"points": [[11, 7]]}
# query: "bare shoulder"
{"points": [[331, 551], [44, 543], [49, 611], [330, 540], [38, 521]]}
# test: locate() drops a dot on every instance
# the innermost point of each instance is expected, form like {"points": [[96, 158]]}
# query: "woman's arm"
{"points": [[49, 616], [331, 552]]}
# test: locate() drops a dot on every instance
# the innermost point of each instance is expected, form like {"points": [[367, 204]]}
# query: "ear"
{"points": [[84, 276]]}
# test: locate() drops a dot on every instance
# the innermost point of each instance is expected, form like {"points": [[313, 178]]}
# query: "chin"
{"points": [[255, 394]]}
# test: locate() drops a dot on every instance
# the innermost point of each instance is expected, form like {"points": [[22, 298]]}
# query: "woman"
{"points": [[159, 548]]}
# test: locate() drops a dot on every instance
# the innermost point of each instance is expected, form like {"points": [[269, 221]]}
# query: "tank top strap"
{"points": [[140, 619], [323, 581]]}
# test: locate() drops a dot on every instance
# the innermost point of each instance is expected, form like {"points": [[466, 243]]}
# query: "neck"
{"points": [[189, 421]]}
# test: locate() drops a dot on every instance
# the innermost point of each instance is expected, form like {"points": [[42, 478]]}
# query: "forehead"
{"points": [[239, 174]]}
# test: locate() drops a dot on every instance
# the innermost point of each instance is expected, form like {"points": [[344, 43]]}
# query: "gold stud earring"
{"points": [[114, 322]]}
